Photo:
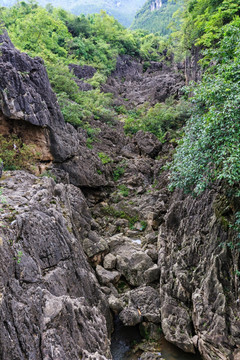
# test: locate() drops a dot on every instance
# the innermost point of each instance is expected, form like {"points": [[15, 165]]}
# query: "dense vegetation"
{"points": [[157, 21], [61, 38], [159, 119], [210, 148]]}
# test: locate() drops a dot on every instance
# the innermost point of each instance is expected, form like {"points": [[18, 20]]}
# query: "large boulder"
{"points": [[131, 260]]}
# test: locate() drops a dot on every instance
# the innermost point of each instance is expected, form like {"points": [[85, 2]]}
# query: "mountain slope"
{"points": [[155, 16], [123, 10]]}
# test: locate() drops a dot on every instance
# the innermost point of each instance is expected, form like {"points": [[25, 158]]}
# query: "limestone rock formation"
{"points": [[29, 109], [132, 86], [51, 303], [199, 292]]}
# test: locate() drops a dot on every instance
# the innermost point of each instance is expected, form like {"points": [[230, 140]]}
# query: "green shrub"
{"points": [[105, 159], [118, 172], [210, 149], [123, 190], [159, 119]]}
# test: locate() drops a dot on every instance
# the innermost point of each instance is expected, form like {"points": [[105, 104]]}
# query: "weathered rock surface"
{"points": [[131, 261], [51, 304], [130, 316], [82, 72], [29, 109], [199, 299], [132, 86], [106, 277], [147, 143]]}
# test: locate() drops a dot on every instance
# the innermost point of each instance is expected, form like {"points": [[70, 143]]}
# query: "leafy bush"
{"points": [[159, 119], [210, 149], [118, 172], [123, 190], [105, 159]]}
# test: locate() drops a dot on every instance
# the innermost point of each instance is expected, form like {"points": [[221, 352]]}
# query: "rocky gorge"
{"points": [[99, 239]]}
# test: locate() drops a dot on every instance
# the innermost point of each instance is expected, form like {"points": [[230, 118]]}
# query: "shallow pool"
{"points": [[124, 340]]}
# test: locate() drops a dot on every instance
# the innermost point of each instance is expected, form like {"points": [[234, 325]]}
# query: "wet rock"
{"points": [[130, 316], [105, 277]]}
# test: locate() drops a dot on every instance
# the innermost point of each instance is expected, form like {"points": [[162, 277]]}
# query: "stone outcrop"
{"points": [[132, 86], [51, 304], [29, 109], [199, 291]]}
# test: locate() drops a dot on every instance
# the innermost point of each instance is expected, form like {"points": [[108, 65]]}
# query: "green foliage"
{"points": [[118, 172], [110, 210], [48, 174], [105, 159], [202, 22], [15, 154], [18, 257], [159, 119], [210, 148], [156, 21], [34, 29], [123, 190], [61, 38]]}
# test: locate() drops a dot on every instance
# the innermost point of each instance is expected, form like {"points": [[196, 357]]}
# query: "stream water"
{"points": [[124, 339]]}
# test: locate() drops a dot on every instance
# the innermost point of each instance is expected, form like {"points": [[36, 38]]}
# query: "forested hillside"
{"points": [[156, 20], [124, 11]]}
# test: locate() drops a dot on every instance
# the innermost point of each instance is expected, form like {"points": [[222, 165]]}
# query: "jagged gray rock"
{"points": [[132, 262], [132, 86], [199, 300], [51, 304], [130, 316]]}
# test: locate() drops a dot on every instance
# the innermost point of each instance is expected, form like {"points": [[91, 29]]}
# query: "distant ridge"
{"points": [[155, 16], [123, 10]]}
